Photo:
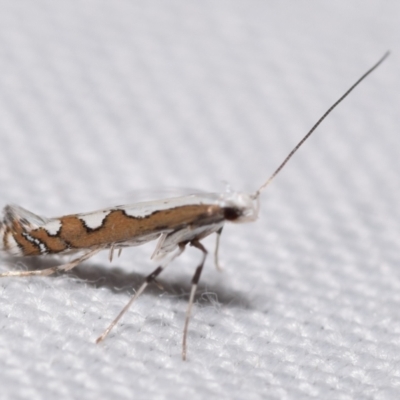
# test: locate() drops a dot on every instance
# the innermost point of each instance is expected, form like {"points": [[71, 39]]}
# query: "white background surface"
{"points": [[100, 98]]}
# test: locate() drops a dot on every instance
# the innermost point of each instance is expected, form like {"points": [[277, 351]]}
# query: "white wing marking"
{"points": [[11, 246], [141, 210], [94, 220], [52, 227]]}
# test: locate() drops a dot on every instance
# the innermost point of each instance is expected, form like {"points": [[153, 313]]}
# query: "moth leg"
{"points": [[158, 284], [195, 281], [216, 258], [52, 270], [150, 278], [111, 253]]}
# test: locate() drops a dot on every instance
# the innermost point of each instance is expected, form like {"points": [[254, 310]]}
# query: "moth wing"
{"points": [[147, 195], [13, 213]]}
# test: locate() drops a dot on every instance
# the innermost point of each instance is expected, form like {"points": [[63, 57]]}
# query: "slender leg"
{"points": [[150, 278], [195, 281], [216, 258], [52, 270], [111, 254], [158, 284]]}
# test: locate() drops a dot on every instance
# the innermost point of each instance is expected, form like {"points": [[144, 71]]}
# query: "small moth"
{"points": [[174, 222]]}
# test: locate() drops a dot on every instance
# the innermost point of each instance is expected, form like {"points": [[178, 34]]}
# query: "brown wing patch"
{"points": [[54, 244], [27, 247], [118, 227]]}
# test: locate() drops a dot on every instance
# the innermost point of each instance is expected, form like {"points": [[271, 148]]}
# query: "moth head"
{"points": [[240, 207]]}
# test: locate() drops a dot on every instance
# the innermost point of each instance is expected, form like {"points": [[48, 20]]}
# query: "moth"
{"points": [[174, 222]]}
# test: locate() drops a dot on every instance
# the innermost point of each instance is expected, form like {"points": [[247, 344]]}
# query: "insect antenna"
{"points": [[330, 109]]}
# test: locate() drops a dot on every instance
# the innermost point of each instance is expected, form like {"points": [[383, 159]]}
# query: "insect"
{"points": [[175, 222]]}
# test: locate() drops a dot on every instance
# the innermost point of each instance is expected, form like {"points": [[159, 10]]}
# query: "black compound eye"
{"points": [[231, 213]]}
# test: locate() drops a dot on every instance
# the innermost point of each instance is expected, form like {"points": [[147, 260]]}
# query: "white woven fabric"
{"points": [[100, 98]]}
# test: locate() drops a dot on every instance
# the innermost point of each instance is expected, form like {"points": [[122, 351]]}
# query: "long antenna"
{"points": [[330, 109]]}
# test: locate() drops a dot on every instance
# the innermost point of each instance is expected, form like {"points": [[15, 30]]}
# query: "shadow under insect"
{"points": [[119, 280]]}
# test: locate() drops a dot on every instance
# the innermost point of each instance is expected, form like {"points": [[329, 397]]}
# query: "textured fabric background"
{"points": [[101, 98]]}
